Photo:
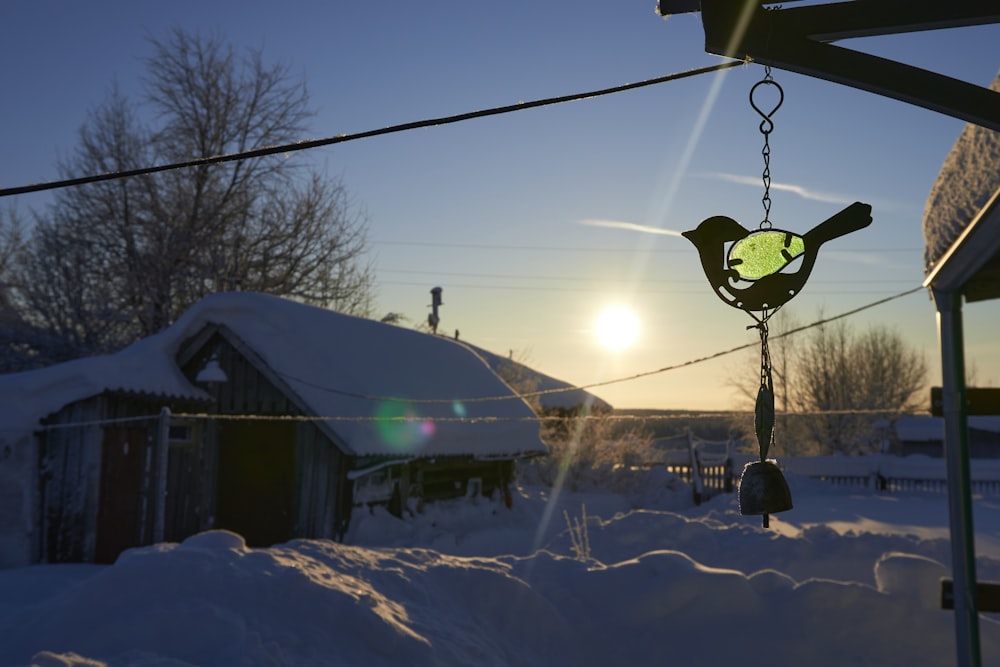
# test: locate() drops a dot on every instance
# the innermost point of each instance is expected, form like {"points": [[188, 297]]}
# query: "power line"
{"points": [[707, 414], [515, 276], [723, 353], [543, 288], [342, 138], [507, 397], [604, 383], [494, 246]]}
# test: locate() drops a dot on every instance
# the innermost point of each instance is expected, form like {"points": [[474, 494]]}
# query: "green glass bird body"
{"points": [[764, 252], [749, 275]]}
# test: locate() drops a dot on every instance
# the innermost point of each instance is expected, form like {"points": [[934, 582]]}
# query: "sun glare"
{"points": [[617, 328]]}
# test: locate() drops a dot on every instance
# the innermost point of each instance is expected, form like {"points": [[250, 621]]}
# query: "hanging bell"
{"points": [[763, 489]]}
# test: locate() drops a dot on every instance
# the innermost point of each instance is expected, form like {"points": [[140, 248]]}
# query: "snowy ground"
{"points": [[846, 578]]}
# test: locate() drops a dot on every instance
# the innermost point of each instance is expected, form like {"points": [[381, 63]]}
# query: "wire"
{"points": [[516, 276], [494, 246], [604, 383], [342, 138], [746, 346], [541, 288], [208, 416], [521, 396]]}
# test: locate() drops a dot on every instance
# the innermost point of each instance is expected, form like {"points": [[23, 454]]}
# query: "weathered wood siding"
{"points": [[323, 492], [188, 508], [246, 390], [69, 480], [73, 483], [19, 500]]}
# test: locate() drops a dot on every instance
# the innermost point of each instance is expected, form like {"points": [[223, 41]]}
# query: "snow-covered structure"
{"points": [[253, 413], [554, 396], [962, 239], [959, 202], [921, 434]]}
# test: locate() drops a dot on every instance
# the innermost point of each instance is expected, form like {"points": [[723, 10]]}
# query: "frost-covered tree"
{"points": [[834, 383], [113, 261], [849, 376]]}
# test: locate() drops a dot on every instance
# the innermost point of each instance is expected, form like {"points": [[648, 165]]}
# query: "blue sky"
{"points": [[494, 210]]}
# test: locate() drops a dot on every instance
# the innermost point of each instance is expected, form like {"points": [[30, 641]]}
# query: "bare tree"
{"points": [[855, 379], [20, 343], [114, 261], [835, 383]]}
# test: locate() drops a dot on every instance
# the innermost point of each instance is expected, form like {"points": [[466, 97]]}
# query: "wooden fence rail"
{"points": [[706, 465], [713, 467], [985, 487]]}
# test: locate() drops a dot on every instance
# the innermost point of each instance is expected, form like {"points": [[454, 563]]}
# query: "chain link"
{"points": [[766, 177], [766, 127]]}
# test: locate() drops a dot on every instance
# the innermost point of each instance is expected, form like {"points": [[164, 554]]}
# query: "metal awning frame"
{"points": [[799, 40]]}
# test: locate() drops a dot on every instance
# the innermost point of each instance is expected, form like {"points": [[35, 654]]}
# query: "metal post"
{"points": [[160, 471], [956, 445]]}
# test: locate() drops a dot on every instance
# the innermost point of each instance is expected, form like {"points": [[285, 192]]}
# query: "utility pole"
{"points": [[434, 319]]}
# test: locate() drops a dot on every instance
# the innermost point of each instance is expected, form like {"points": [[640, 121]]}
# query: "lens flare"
{"points": [[400, 426]]}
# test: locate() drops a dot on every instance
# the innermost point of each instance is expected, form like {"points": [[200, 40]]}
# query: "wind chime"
{"points": [[758, 272]]}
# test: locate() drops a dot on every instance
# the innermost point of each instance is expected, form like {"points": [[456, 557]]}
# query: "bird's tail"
{"points": [[851, 219]]}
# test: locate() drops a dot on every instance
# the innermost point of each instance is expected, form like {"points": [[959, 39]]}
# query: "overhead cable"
{"points": [[417, 419], [604, 383], [546, 248], [341, 138]]}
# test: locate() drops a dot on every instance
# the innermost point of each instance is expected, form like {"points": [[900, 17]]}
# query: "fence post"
{"points": [[696, 483], [729, 466], [160, 483]]}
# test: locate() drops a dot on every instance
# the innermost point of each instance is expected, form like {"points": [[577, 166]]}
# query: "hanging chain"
{"points": [[766, 127], [764, 415]]}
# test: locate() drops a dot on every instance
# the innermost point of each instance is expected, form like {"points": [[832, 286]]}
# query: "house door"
{"points": [[255, 496], [119, 510]]}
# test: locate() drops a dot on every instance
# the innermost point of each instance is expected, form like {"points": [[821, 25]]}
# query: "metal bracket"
{"points": [[797, 39]]}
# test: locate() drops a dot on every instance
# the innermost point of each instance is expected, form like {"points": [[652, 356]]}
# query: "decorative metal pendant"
{"points": [[759, 272], [762, 270]]}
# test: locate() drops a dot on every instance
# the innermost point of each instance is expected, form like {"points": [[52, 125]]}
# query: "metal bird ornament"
{"points": [[759, 272]]}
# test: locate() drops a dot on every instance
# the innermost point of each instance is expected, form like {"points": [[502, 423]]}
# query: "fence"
{"points": [[892, 474], [711, 468], [704, 464]]}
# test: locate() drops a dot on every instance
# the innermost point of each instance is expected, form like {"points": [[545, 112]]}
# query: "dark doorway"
{"points": [[256, 483], [123, 453]]}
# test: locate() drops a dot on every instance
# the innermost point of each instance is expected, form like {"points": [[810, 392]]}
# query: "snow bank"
{"points": [[836, 582]]}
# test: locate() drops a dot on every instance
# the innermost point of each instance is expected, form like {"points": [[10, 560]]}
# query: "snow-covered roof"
{"points": [[146, 367], [968, 179], [558, 394], [349, 370]]}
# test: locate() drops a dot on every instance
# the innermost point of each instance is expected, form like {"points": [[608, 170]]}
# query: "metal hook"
{"points": [[766, 125]]}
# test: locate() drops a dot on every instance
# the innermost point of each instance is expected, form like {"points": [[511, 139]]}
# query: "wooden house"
{"points": [[251, 413], [925, 435]]}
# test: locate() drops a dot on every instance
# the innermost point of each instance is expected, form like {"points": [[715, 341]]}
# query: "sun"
{"points": [[617, 327]]}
